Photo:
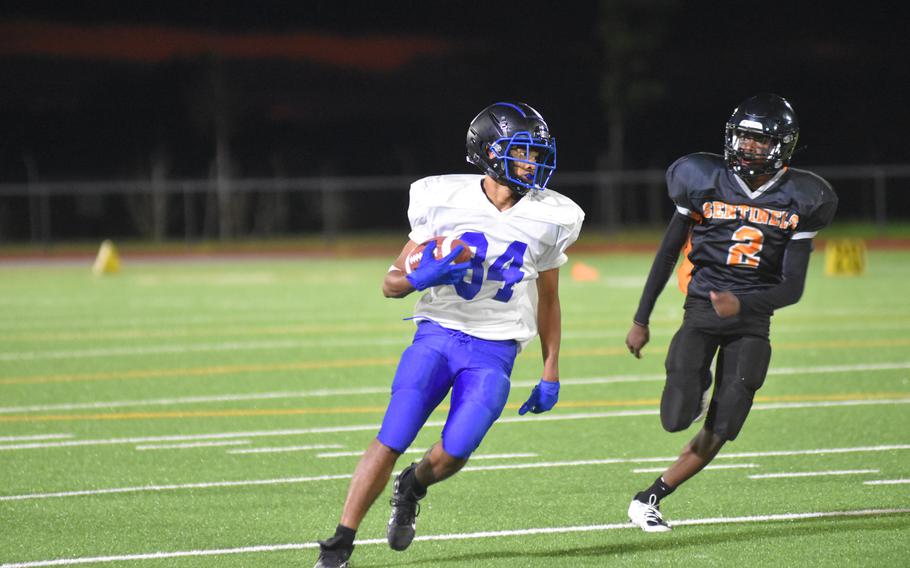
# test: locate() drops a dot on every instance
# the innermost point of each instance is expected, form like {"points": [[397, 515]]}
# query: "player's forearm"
{"points": [[790, 289], [395, 284], [549, 325], [664, 261]]}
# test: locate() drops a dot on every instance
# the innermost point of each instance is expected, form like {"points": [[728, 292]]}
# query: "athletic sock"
{"points": [[659, 489], [344, 538], [408, 482]]}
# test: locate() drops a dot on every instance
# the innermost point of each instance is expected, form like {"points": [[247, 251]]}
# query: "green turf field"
{"points": [[209, 414]]}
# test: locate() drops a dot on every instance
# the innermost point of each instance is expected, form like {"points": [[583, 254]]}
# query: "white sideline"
{"points": [[278, 395], [531, 465], [812, 473], [722, 466], [550, 417], [457, 536]]}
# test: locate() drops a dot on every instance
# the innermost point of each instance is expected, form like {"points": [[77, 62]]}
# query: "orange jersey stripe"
{"points": [[684, 272]]}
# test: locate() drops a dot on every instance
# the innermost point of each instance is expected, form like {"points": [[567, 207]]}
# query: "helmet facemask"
{"points": [[752, 153], [511, 143], [760, 136], [524, 162]]}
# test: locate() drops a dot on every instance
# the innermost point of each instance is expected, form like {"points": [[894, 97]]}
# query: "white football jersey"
{"points": [[498, 297]]}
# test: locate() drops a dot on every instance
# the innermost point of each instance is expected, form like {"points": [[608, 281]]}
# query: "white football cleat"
{"points": [[647, 516]]}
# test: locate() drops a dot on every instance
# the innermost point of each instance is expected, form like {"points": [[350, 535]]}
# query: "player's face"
{"points": [[526, 168], [755, 147]]}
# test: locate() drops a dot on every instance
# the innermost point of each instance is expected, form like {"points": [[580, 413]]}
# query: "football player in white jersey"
{"points": [[474, 316]]}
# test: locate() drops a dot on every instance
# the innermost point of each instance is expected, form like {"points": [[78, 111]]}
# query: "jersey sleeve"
{"points": [[790, 289], [670, 246], [678, 175], [419, 213], [556, 256], [821, 212]]}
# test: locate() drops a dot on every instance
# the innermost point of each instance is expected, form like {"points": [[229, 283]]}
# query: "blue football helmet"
{"points": [[511, 143]]}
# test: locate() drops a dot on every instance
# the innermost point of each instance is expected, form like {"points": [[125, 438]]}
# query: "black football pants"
{"points": [[743, 353]]}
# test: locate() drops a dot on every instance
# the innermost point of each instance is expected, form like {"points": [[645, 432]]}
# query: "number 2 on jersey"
{"points": [[744, 252], [506, 268]]}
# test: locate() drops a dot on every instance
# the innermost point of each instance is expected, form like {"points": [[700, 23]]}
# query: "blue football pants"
{"points": [[440, 360]]}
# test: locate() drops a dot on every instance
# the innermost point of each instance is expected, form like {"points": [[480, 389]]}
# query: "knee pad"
{"points": [[419, 386], [680, 402], [478, 398], [737, 390], [463, 433], [688, 375], [754, 358]]}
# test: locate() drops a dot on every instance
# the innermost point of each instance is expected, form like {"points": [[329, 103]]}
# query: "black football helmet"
{"points": [[510, 131], [767, 118]]}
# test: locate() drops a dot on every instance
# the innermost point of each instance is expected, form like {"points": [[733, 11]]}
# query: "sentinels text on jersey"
{"points": [[498, 297], [740, 235]]}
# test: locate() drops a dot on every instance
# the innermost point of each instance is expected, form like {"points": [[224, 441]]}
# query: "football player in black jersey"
{"points": [[746, 220]]}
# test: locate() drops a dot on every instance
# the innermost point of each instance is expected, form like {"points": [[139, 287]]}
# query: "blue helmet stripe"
{"points": [[518, 108]]}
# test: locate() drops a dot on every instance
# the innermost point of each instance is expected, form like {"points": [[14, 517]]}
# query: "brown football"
{"points": [[444, 246]]}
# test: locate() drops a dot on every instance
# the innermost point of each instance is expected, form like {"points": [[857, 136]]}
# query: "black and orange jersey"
{"points": [[738, 240]]}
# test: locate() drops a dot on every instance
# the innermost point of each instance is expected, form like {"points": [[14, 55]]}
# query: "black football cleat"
{"points": [[331, 555], [405, 508]]}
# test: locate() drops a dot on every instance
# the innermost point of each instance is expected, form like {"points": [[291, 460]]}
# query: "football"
{"points": [[444, 246]]}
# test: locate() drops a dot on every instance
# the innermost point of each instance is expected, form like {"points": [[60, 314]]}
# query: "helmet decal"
{"points": [[751, 124]]}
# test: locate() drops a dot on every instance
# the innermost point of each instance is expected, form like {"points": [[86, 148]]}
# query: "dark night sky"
{"points": [[91, 90]]}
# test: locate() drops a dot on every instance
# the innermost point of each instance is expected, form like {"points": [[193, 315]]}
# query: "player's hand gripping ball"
{"points": [[444, 247]]}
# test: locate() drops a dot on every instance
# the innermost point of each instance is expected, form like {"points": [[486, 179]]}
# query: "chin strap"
{"points": [[519, 191]]}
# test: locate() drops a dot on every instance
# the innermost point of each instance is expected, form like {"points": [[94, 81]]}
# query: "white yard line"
{"points": [[423, 450], [193, 445], [276, 395], [723, 466], [187, 437], [550, 417], [35, 437], [197, 348], [815, 452], [812, 473], [502, 456], [858, 368], [281, 449], [360, 453], [274, 317], [829, 404], [511, 466], [887, 482], [142, 488], [280, 395], [456, 536]]}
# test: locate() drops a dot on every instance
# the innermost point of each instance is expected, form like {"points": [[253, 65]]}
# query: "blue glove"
{"points": [[542, 399], [432, 272]]}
